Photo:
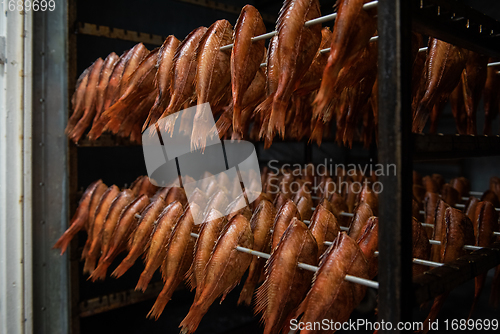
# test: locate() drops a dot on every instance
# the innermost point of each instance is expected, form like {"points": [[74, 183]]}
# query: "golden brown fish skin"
{"points": [[272, 77], [430, 203], [286, 285], [470, 208], [115, 210], [331, 296], [338, 206], [421, 247], [223, 271], [183, 74], [89, 103], [456, 232], [81, 217], [361, 215], [439, 225], [130, 127], [137, 55], [450, 195], [106, 72], [324, 227], [462, 185], [491, 197], [490, 96], [368, 196], [159, 240], [261, 223], [246, 57], [312, 78], [368, 242], [304, 205], [112, 91], [232, 208], [430, 184], [444, 66], [474, 78], [218, 201], [178, 258], [351, 33], [163, 79], [140, 85], [458, 108], [94, 202], [78, 100], [210, 231], [213, 74], [117, 228], [176, 194], [485, 223], [127, 225], [199, 198], [297, 46], [285, 215], [141, 236], [100, 215]]}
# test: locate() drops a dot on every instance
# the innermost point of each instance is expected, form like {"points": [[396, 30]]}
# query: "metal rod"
{"points": [[322, 19], [354, 279]]}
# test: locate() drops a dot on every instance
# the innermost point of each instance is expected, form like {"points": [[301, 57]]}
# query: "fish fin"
{"points": [[190, 277], [89, 265], [192, 319], [161, 301], [436, 307], [100, 272], [261, 296], [317, 132], [420, 118], [68, 235], [278, 117], [479, 285], [122, 268], [144, 280], [248, 290]]}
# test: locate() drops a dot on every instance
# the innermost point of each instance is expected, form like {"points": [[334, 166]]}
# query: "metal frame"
{"points": [[16, 313], [394, 145], [50, 170]]}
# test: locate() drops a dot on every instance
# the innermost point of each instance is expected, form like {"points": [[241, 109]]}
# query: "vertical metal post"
{"points": [[395, 145], [50, 169], [16, 314]]}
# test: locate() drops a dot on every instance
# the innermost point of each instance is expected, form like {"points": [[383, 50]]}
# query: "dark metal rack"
{"points": [[456, 24]]}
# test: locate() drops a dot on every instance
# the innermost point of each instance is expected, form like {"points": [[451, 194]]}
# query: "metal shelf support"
{"points": [[395, 142]]}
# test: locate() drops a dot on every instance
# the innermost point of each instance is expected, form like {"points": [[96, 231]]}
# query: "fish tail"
{"points": [[247, 292], [78, 130], [436, 307], [161, 301], [122, 268], [201, 130], [86, 248], [100, 272], [471, 125], [170, 124], [420, 118], [278, 117], [144, 280], [192, 320], [495, 288], [237, 126], [68, 235], [97, 128], [89, 265], [222, 126], [479, 285], [317, 132]]}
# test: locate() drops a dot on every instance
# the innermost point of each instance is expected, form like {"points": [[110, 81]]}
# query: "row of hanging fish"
{"points": [[297, 95], [455, 228], [276, 224]]}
